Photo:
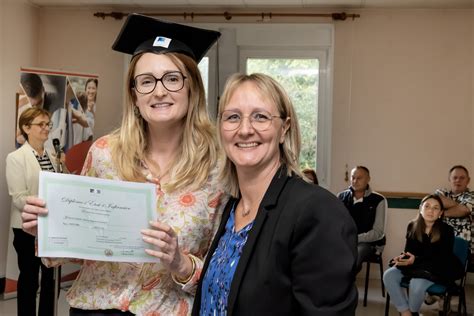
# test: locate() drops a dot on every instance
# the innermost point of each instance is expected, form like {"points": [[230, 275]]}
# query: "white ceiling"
{"points": [[245, 4]]}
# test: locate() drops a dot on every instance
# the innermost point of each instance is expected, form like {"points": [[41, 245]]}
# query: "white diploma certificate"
{"points": [[95, 219]]}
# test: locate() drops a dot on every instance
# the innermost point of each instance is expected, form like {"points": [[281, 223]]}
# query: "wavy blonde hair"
{"points": [[290, 148], [198, 152]]}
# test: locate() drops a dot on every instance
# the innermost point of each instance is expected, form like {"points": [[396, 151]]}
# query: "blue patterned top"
{"points": [[220, 272]]}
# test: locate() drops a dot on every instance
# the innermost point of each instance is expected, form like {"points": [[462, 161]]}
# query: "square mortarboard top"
{"points": [[142, 33]]}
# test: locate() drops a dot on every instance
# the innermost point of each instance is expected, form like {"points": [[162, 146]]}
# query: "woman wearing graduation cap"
{"points": [[166, 138]]}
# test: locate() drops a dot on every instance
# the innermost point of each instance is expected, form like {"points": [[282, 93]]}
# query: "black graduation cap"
{"points": [[141, 33]]}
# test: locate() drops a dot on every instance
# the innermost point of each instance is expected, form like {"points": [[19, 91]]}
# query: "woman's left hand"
{"points": [[406, 260], [166, 248]]}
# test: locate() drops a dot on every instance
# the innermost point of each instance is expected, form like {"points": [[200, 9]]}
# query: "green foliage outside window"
{"points": [[300, 78]]}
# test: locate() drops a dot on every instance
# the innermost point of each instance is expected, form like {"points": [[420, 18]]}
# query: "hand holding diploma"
{"points": [[91, 218], [165, 247], [33, 208], [160, 236]]}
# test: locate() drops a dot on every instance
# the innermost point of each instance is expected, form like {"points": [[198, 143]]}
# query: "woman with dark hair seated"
{"points": [[428, 258]]}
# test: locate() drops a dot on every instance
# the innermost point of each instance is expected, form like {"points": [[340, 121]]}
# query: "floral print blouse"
{"points": [[148, 289], [463, 226]]}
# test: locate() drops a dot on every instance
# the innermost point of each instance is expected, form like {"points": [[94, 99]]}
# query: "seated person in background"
{"points": [[428, 258], [311, 175], [367, 208], [458, 203]]}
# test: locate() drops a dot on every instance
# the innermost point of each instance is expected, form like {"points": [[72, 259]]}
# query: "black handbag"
{"points": [[413, 271]]}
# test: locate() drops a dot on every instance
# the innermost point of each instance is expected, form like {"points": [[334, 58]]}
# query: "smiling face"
{"points": [[36, 133], [247, 147], [161, 107], [91, 90], [431, 210]]}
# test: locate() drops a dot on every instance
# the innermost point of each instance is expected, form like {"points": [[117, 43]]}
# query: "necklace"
{"points": [[155, 170], [245, 212]]}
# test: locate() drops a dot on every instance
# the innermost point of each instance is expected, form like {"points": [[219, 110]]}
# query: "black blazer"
{"points": [[299, 257]]}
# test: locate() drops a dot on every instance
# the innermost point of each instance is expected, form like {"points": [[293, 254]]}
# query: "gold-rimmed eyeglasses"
{"points": [[260, 120], [173, 81], [43, 124]]}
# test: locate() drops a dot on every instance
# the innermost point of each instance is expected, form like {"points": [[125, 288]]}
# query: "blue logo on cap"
{"points": [[162, 41]]}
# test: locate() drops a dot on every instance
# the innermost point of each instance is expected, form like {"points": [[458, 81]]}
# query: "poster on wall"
{"points": [[70, 98]]}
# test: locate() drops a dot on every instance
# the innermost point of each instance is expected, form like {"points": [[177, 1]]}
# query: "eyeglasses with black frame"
{"points": [[172, 81], [260, 120], [43, 124]]}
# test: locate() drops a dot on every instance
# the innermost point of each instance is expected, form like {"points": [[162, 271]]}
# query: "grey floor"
{"points": [[375, 303]]}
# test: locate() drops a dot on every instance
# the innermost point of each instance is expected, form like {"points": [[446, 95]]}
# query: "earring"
{"points": [[136, 111]]}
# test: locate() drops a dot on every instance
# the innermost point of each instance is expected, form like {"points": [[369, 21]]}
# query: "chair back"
{"points": [[461, 250]]}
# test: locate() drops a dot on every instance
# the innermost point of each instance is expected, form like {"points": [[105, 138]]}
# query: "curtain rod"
{"points": [[265, 16]]}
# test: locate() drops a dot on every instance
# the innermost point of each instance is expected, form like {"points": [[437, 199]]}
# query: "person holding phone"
{"points": [[428, 258]]}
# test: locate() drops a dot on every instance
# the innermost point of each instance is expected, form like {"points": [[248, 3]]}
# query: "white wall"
{"points": [[19, 26], [3, 211], [75, 40], [403, 97]]}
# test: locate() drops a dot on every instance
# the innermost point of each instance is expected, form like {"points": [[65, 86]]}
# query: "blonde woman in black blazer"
{"points": [[284, 246]]}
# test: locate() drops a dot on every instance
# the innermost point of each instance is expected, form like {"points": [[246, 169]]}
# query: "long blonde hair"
{"points": [[289, 149], [198, 152]]}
